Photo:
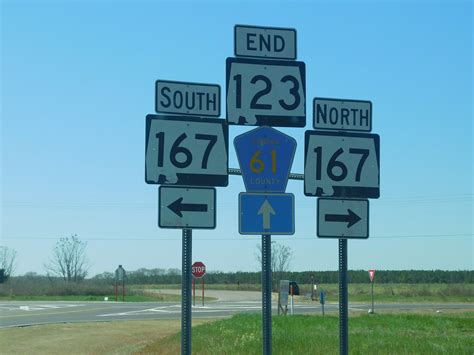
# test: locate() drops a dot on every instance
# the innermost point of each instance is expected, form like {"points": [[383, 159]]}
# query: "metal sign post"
{"points": [[343, 304], [186, 292], [267, 293]]}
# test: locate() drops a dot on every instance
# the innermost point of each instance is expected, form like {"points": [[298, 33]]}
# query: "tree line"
{"points": [[173, 276]]}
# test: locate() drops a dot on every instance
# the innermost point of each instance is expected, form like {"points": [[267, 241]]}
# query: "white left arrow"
{"points": [[266, 210]]}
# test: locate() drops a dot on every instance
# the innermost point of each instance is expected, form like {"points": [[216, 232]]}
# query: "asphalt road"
{"points": [[25, 313]]}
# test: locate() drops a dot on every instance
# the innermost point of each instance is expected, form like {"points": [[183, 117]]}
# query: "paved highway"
{"points": [[24, 313]]}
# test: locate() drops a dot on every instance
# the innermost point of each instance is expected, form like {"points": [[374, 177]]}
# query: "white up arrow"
{"points": [[266, 210]]}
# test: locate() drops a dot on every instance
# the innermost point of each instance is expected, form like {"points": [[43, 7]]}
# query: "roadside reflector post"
{"points": [[343, 302], [186, 292], [267, 293]]}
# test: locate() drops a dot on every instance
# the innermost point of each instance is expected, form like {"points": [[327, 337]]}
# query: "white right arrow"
{"points": [[266, 210]]}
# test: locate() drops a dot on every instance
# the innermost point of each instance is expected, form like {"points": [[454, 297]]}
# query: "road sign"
{"points": [[188, 98], [342, 164], [266, 213], [198, 269], [371, 275], [120, 273], [342, 114], [269, 42], [265, 158], [184, 150], [343, 218], [266, 92], [187, 207]]}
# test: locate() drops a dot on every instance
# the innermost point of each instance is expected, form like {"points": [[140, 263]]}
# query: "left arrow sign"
{"points": [[178, 206], [187, 207]]}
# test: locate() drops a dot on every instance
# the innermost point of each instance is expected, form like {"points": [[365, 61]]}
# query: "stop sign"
{"points": [[198, 269]]}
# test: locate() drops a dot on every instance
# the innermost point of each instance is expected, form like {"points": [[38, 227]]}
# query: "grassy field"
{"points": [[449, 333], [379, 334], [142, 293], [362, 292]]}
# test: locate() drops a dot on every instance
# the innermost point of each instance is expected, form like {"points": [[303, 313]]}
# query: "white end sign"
{"points": [[268, 42]]}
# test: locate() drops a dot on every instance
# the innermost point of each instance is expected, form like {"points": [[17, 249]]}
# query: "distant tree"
{"points": [[281, 258], [7, 263], [69, 259]]}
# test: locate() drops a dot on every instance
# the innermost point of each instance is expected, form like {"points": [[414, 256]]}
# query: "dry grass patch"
{"points": [[123, 337]]}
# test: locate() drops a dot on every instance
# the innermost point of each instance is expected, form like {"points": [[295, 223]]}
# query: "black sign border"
{"points": [[205, 180], [342, 199], [186, 187], [268, 120], [346, 192]]}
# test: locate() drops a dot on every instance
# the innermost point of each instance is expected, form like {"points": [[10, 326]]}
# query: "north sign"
{"points": [[184, 150], [342, 114], [187, 207], [265, 92], [268, 42], [265, 157], [179, 97], [343, 218], [345, 165], [266, 213]]}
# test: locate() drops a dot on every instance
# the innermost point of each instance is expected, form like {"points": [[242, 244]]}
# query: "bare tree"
{"points": [[7, 262], [69, 259], [281, 257]]}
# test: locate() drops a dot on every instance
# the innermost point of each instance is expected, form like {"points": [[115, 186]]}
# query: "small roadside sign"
{"points": [[198, 269], [265, 92], [120, 273], [187, 207], [183, 150], [339, 164], [343, 218], [188, 98], [269, 42], [265, 157], [342, 114], [261, 213], [371, 275]]}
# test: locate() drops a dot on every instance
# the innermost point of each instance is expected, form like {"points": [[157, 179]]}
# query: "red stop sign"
{"points": [[198, 269]]}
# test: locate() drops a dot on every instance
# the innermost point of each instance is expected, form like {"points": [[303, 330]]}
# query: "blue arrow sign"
{"points": [[265, 158], [266, 213]]}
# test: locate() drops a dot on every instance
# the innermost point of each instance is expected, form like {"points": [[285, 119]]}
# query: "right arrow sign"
{"points": [[343, 218]]}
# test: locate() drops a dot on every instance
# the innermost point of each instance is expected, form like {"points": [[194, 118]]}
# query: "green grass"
{"points": [[368, 334]]}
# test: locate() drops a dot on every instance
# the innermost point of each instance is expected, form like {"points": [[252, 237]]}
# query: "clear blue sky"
{"points": [[77, 80]]}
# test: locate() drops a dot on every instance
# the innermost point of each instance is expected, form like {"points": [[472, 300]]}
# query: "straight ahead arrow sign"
{"points": [[266, 210], [351, 218], [178, 206]]}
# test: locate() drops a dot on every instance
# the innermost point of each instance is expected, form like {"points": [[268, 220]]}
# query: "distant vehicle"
{"points": [[296, 288]]}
